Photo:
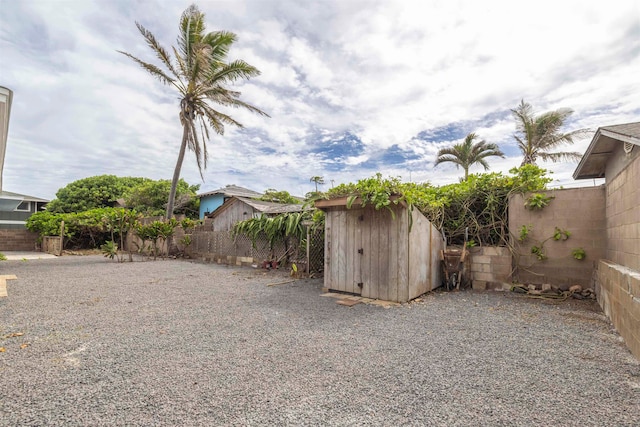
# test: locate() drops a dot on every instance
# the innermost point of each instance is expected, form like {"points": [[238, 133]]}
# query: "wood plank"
{"points": [[394, 227], [365, 258], [437, 245], [384, 224], [419, 255], [350, 250], [348, 302], [403, 257], [373, 254], [341, 238], [357, 239], [328, 254]]}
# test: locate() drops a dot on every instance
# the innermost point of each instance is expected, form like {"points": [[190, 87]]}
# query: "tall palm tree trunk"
{"points": [[176, 171]]}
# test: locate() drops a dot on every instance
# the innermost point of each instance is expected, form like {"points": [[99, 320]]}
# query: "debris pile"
{"points": [[554, 292]]}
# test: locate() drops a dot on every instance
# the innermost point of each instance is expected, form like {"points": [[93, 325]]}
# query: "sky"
{"points": [[351, 87]]}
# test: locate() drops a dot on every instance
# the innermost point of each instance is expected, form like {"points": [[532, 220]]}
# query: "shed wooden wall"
{"points": [[395, 264], [232, 214]]}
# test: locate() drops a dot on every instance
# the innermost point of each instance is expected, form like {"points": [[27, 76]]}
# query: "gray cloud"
{"points": [[383, 72]]}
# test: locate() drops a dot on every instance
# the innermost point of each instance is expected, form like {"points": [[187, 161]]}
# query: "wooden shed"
{"points": [[236, 209], [378, 255]]}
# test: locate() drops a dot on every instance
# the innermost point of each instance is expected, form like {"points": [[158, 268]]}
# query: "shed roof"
{"points": [[604, 142], [232, 190], [269, 208]]}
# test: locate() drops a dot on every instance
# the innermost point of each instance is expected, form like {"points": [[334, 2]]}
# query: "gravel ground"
{"points": [[182, 343]]}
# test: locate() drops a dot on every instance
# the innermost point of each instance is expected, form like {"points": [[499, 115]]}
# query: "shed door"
{"points": [[360, 258], [376, 257], [353, 251], [344, 238], [370, 249]]}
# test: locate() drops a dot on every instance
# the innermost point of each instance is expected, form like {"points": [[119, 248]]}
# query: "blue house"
{"points": [[212, 200]]}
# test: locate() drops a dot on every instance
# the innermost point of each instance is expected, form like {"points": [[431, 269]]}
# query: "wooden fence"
{"points": [[223, 248]]}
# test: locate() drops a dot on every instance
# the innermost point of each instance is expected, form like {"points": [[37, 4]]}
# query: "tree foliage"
{"points": [[150, 198], [538, 135], [318, 180], [200, 72], [468, 153], [144, 195], [93, 192], [272, 195], [88, 229], [478, 204]]}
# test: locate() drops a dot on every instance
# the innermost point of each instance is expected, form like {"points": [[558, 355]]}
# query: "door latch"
{"points": [[361, 251]]}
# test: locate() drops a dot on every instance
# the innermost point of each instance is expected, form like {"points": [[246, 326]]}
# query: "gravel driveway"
{"points": [[182, 343]]}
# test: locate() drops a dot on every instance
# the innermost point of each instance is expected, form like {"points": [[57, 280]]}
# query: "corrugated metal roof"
{"points": [[271, 207], [604, 142], [232, 190]]}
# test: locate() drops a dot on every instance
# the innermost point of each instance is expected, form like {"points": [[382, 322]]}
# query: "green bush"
{"points": [[87, 229], [478, 204]]}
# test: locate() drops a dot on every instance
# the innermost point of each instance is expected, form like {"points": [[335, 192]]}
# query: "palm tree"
{"points": [[317, 180], [537, 135], [468, 153], [199, 72]]}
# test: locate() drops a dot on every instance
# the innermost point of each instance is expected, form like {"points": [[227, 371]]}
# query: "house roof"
{"points": [[604, 142], [21, 197], [232, 190], [269, 208], [10, 201]]}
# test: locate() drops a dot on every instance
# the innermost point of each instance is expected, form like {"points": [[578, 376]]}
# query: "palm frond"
{"points": [[220, 43], [152, 69], [182, 65], [234, 71], [161, 52], [536, 135], [558, 157]]}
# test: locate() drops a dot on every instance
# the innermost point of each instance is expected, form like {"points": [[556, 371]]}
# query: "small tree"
{"points": [[537, 135], [200, 73], [317, 180], [469, 153], [272, 195], [120, 222]]}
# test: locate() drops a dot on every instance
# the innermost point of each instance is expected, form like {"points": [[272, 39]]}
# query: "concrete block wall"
{"points": [[581, 211], [489, 267], [618, 292], [17, 240], [623, 216]]}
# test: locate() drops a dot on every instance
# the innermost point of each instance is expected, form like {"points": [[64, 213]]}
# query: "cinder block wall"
{"points": [[618, 292], [623, 216], [581, 211], [490, 267], [17, 240]]}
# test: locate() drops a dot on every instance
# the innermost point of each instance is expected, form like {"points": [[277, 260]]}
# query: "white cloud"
{"points": [[382, 70]]}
